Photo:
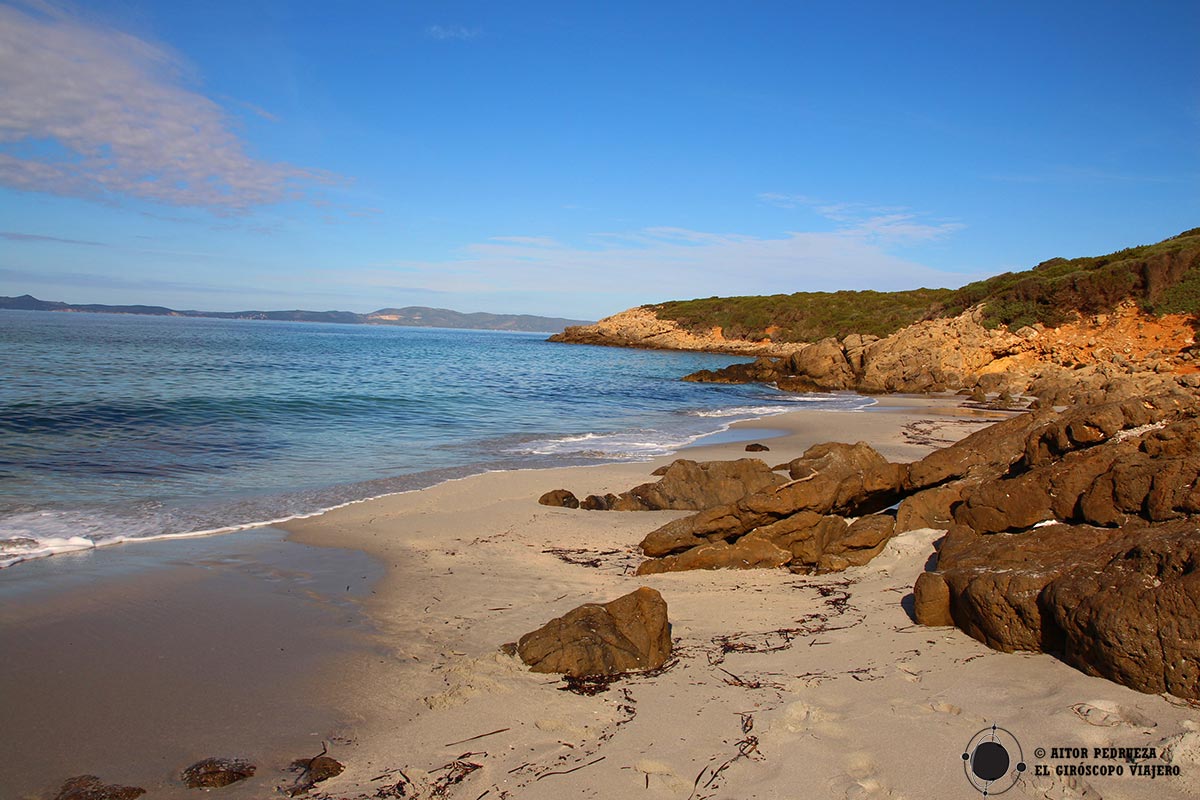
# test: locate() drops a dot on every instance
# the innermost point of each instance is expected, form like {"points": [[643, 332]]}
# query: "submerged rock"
{"points": [[313, 771], [212, 773], [90, 787], [626, 634]]}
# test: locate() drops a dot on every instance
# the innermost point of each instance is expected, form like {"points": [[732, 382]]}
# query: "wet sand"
{"points": [[132, 662]]}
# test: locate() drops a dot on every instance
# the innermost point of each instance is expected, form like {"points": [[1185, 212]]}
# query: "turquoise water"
{"points": [[115, 427]]}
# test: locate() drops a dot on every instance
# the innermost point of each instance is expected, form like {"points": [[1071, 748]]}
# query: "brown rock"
{"points": [[1136, 619], [931, 508], [828, 478], [560, 498], [595, 502], [864, 539], [1122, 604], [629, 633], [992, 583], [931, 601], [89, 787], [823, 363], [995, 447], [755, 447], [747, 553], [691, 485], [1148, 476], [213, 773], [313, 771]]}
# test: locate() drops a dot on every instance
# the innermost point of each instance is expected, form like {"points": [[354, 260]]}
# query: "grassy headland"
{"points": [[1162, 278]]}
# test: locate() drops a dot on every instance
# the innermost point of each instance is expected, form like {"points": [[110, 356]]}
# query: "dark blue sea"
{"points": [[125, 427]]}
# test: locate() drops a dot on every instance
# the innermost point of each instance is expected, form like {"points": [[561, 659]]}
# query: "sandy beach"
{"points": [[782, 685]]}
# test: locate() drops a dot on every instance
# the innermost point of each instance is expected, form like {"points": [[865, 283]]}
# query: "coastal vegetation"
{"points": [[1161, 278]]}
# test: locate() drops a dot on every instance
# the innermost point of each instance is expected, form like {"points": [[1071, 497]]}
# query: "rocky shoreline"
{"points": [[1072, 527]]}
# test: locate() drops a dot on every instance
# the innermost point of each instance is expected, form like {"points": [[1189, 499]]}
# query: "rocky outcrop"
{"points": [[641, 327], [1082, 538], [684, 485], [89, 787], [800, 524], [213, 773], [1118, 603], [626, 634], [1059, 366]]}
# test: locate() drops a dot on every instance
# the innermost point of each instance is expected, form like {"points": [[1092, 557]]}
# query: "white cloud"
{"points": [[448, 32], [882, 224], [90, 111]]}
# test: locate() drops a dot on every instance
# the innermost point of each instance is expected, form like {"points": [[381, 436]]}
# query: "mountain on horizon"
{"points": [[410, 316]]}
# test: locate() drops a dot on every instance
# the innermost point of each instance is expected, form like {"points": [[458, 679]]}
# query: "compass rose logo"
{"points": [[993, 761]]}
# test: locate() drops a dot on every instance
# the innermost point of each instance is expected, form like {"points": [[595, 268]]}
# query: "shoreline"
{"points": [[781, 681], [58, 546], [823, 670]]}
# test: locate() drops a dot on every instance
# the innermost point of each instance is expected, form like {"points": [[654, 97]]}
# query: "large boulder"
{"points": [[1150, 475], [692, 485], [935, 355], [626, 634], [822, 365], [1136, 618], [994, 448], [1119, 603]]}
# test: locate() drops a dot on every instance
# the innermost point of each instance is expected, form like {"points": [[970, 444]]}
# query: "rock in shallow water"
{"points": [[629, 633], [90, 787], [213, 773]]}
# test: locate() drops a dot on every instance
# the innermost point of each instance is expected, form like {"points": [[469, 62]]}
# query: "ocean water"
{"points": [[120, 427]]}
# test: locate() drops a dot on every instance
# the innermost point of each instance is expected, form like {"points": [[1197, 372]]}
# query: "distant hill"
{"points": [[411, 316]]}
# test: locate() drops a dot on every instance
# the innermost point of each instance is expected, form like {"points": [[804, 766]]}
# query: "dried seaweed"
{"points": [[582, 557], [590, 685]]}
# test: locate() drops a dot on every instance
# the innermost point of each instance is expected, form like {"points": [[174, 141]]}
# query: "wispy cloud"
{"points": [[882, 224], [452, 32], [14, 236], [620, 269], [89, 280], [91, 111]]}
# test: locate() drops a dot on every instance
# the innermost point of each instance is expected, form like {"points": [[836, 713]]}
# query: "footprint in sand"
{"points": [[1105, 714], [861, 782], [800, 717]]}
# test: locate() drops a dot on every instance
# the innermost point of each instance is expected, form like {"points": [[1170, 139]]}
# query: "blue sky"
{"points": [[576, 159]]}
